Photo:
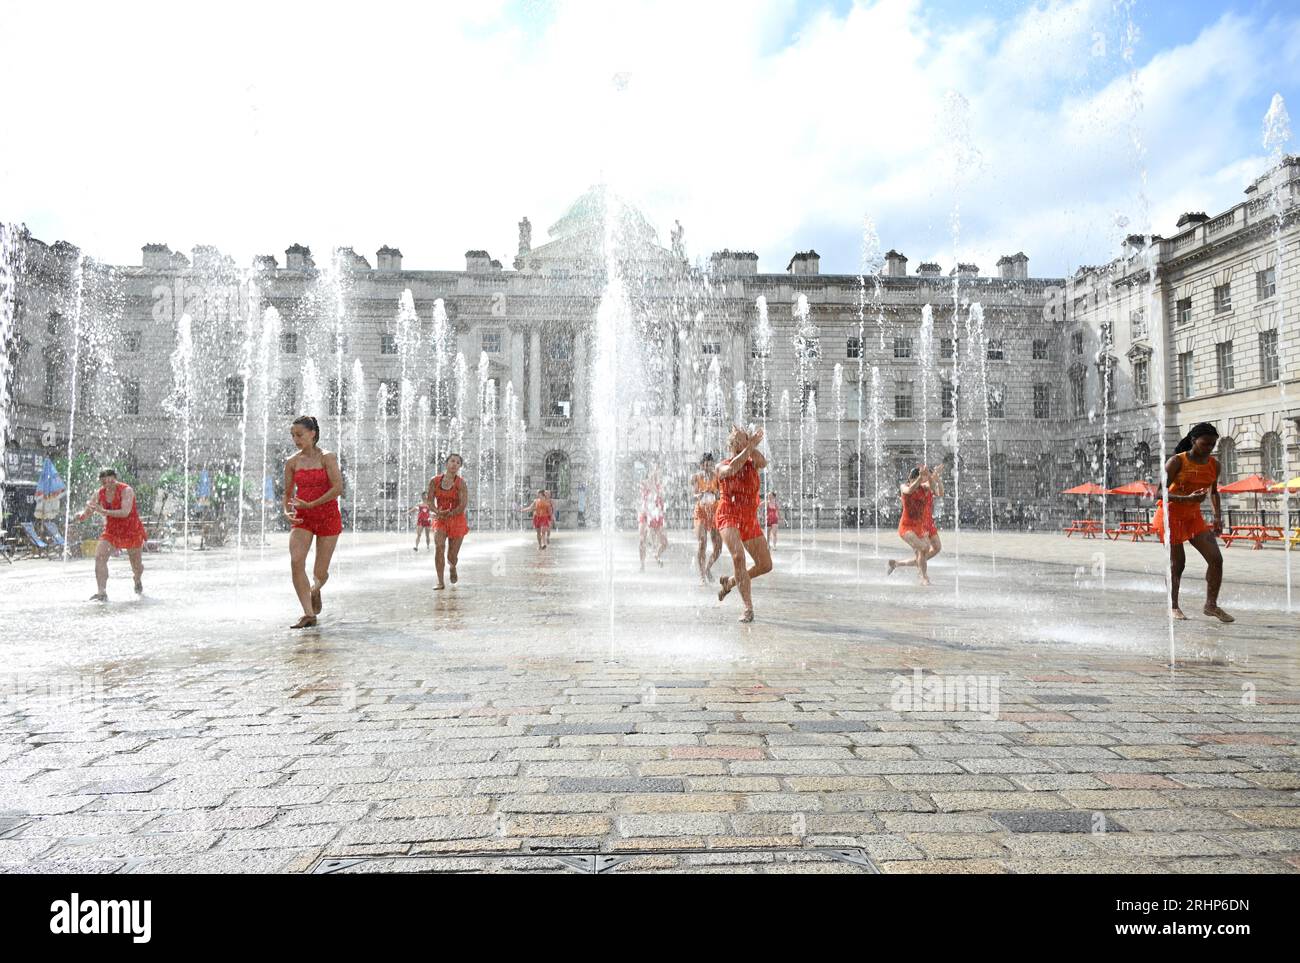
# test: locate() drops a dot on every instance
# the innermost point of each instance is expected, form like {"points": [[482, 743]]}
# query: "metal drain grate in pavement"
{"points": [[778, 860]]}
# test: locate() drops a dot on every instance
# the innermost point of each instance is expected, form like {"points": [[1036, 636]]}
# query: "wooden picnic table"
{"points": [[1087, 527], [1259, 534], [1136, 531]]}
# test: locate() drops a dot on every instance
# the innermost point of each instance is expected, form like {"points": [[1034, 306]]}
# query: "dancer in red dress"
{"points": [[312, 485], [737, 515], [704, 485], [773, 518], [449, 496], [423, 523], [543, 511], [122, 529], [917, 527], [650, 520], [1192, 473]]}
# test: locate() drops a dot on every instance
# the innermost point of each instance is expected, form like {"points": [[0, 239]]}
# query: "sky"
{"points": [[962, 130]]}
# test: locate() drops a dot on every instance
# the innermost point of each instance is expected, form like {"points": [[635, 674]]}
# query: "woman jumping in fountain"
{"points": [[650, 520], [449, 496], [122, 529], [542, 512], [1192, 473], [738, 515], [423, 523], [312, 485], [704, 486], [917, 527]]}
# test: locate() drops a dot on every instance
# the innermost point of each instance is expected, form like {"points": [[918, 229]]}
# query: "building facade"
{"points": [[1022, 386]]}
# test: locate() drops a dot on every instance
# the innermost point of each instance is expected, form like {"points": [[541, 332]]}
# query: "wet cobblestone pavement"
{"points": [[520, 722]]}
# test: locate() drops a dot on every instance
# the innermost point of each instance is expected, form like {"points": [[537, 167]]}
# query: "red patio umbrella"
{"points": [[1087, 488], [1250, 485], [1143, 489]]}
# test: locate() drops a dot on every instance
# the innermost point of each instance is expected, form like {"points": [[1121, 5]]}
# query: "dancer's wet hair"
{"points": [[311, 424], [916, 473], [707, 456], [107, 473], [1198, 430]]}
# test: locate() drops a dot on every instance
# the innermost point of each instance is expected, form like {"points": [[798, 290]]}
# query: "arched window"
{"points": [[1045, 481], [1226, 453], [1270, 452], [557, 474]]}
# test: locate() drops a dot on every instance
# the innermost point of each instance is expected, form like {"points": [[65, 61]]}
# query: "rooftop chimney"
{"points": [[895, 265], [1192, 218], [929, 270], [1013, 266], [965, 270], [298, 258], [804, 262], [478, 262], [733, 263], [388, 258], [265, 264], [350, 260], [157, 256]]}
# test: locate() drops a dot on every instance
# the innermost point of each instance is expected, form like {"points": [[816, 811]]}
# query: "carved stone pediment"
{"points": [[1139, 351]]}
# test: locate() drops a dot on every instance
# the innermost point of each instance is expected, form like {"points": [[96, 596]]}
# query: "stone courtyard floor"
{"points": [[523, 721]]}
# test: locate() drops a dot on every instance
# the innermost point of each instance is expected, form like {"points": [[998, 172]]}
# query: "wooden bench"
{"points": [[1259, 534], [1136, 531], [1087, 527]]}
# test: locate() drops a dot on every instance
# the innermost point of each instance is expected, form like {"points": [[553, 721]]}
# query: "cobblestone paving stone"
{"points": [[502, 724]]}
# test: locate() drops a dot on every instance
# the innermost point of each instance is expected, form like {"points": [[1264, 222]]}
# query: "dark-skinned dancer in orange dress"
{"points": [[1191, 474], [312, 485], [122, 529], [737, 515], [449, 496]]}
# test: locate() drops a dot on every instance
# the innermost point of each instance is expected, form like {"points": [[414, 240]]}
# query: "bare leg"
{"points": [[299, 544], [717, 550], [453, 553], [102, 551], [1177, 562], [136, 555], [439, 555], [701, 540], [321, 569], [935, 545], [644, 532], [743, 577], [1209, 548]]}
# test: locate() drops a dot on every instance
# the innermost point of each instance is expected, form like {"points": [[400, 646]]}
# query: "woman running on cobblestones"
{"points": [[738, 516], [1192, 473], [312, 485], [449, 496], [122, 530], [917, 527], [704, 486]]}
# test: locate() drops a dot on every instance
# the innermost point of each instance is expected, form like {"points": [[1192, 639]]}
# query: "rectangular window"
{"points": [[131, 341], [388, 344], [902, 399], [1112, 384], [947, 399], [1223, 298], [759, 403], [1223, 363], [854, 348], [711, 347], [1141, 381], [491, 342], [997, 401], [807, 396], [288, 397], [288, 342], [338, 403], [1137, 324], [130, 396], [995, 351], [1268, 356], [1076, 343], [1184, 311], [902, 348], [1040, 349], [1186, 386], [1078, 391], [807, 349], [1042, 401], [388, 490], [391, 398], [234, 395], [1266, 283], [755, 351], [948, 348]]}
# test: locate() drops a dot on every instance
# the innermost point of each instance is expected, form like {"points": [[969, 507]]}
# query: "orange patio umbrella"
{"points": [[1087, 488], [1250, 485], [1143, 489]]}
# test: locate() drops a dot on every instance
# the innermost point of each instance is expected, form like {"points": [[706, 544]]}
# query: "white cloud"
{"points": [[435, 127]]}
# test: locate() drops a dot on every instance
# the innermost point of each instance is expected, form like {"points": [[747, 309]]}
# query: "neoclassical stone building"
{"points": [[498, 362]]}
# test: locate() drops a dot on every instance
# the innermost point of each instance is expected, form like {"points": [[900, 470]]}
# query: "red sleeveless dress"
{"points": [[323, 520], [738, 504], [457, 526], [423, 519], [125, 532], [541, 513], [918, 513]]}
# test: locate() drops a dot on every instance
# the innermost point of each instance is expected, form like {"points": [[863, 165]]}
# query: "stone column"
{"points": [[535, 378], [580, 378], [517, 365]]}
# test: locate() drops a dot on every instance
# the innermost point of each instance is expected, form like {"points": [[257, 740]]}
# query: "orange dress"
{"points": [[1185, 518], [918, 513], [541, 514], [706, 501], [457, 526], [738, 506], [127, 531]]}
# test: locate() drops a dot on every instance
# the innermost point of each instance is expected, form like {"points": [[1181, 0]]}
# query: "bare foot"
{"points": [[316, 604], [439, 586], [925, 580], [99, 597], [1215, 612], [746, 616], [139, 587], [892, 565], [453, 575], [306, 622], [724, 591], [1177, 614]]}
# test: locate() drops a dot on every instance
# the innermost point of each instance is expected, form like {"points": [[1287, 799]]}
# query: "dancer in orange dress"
{"points": [[542, 511], [312, 485], [650, 520], [917, 527], [122, 529], [1191, 474], [738, 515], [423, 523], [704, 485], [449, 496]]}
